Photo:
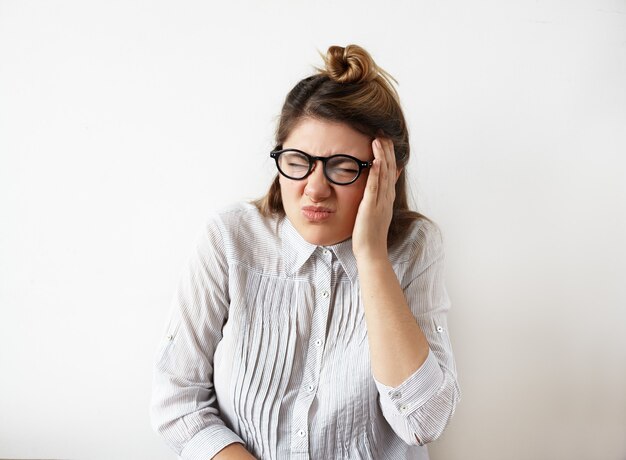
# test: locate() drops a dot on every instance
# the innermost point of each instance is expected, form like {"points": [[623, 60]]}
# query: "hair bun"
{"points": [[351, 64]]}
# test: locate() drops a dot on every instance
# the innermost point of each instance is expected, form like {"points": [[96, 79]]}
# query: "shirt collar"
{"points": [[346, 258], [297, 251]]}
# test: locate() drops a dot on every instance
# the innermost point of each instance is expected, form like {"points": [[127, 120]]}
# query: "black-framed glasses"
{"points": [[338, 169]]}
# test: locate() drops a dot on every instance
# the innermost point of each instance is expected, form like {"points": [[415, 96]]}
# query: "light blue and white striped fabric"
{"points": [[267, 345]]}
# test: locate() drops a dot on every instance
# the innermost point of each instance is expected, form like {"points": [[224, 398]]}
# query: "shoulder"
{"points": [[421, 244], [243, 231], [241, 220]]}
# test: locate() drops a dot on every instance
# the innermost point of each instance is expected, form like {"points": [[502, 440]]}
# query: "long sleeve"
{"points": [[184, 407], [419, 409]]}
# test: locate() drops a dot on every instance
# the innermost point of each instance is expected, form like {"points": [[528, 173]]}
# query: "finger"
{"points": [[377, 148], [383, 159], [370, 195], [384, 168], [392, 158], [390, 170], [386, 175]]}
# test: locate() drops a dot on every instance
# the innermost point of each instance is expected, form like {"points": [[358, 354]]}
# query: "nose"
{"points": [[317, 186]]}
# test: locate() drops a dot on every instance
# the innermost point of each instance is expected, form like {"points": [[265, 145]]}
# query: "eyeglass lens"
{"points": [[339, 169]]}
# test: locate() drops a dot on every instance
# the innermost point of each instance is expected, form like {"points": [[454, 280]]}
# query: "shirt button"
{"points": [[170, 337], [397, 394], [439, 329], [326, 252], [325, 294], [301, 433], [318, 343], [310, 388], [403, 408]]}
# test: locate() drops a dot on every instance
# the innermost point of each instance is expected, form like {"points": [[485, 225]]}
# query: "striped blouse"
{"points": [[267, 345]]}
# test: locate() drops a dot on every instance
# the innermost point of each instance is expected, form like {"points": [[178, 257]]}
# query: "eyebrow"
{"points": [[354, 155]]}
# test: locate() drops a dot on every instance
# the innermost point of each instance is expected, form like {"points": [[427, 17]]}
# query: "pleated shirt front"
{"points": [[267, 345]]}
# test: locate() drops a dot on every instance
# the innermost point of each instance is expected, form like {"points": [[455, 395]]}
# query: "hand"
{"points": [[369, 236]]}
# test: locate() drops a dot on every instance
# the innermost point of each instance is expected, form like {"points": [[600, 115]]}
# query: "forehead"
{"points": [[325, 138]]}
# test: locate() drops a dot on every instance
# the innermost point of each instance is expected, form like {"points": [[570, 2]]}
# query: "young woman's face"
{"points": [[323, 212]]}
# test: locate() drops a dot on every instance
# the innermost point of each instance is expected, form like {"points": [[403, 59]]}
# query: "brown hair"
{"points": [[353, 90]]}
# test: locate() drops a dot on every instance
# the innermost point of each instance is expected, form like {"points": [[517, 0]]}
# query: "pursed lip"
{"points": [[316, 214], [316, 209]]}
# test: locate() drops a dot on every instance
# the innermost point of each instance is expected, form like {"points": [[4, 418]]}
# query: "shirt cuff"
{"points": [[413, 393], [208, 442]]}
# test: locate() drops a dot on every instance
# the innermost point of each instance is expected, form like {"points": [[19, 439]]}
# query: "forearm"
{"points": [[397, 345]]}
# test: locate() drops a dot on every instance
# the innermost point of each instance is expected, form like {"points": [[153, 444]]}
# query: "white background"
{"points": [[123, 123]]}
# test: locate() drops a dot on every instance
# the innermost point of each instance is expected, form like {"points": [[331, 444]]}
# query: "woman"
{"points": [[312, 322]]}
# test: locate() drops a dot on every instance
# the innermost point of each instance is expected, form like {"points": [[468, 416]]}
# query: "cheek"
{"points": [[289, 189], [358, 193], [353, 199]]}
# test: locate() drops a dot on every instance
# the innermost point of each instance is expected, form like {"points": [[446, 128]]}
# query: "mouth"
{"points": [[316, 213]]}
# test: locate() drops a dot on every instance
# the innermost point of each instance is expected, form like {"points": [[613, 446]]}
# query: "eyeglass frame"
{"points": [[275, 154]]}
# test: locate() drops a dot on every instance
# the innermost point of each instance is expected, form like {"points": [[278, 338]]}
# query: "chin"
{"points": [[321, 238]]}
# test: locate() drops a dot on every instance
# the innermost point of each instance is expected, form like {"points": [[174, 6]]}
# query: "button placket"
{"points": [[321, 282]]}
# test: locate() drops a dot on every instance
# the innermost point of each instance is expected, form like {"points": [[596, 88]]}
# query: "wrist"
{"points": [[372, 258], [234, 451]]}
